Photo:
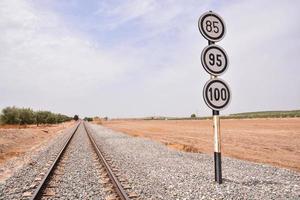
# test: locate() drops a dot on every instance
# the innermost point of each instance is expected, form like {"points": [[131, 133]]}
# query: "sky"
{"points": [[137, 58]]}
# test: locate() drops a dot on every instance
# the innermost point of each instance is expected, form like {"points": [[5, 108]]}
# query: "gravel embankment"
{"points": [[157, 172], [79, 175], [19, 183]]}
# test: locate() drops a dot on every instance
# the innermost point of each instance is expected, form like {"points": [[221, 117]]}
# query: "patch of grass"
{"points": [[266, 114], [246, 115]]}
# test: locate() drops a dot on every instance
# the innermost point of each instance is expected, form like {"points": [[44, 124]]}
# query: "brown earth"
{"points": [[15, 141], [271, 141]]}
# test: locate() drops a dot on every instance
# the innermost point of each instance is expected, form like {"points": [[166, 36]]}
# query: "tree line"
{"points": [[89, 119], [22, 116]]}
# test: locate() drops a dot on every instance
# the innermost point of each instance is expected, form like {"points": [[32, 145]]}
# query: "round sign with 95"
{"points": [[214, 60], [216, 94]]}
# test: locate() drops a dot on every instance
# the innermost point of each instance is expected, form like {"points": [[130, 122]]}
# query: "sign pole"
{"points": [[217, 140], [217, 147]]}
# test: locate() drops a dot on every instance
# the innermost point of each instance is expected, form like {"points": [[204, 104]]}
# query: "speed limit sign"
{"points": [[211, 26], [214, 60], [216, 94]]}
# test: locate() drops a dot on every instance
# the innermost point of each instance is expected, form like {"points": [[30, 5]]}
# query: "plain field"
{"points": [[272, 141], [16, 141]]}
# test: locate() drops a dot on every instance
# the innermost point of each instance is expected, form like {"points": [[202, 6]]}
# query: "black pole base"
{"points": [[218, 167]]}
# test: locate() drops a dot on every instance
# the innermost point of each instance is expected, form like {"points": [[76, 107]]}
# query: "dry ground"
{"points": [[15, 141], [271, 141]]}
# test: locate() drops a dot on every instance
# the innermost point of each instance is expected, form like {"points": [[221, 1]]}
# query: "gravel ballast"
{"points": [[157, 172], [78, 176]]}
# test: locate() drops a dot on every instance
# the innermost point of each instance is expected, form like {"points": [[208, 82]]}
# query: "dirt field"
{"points": [[272, 141], [15, 141]]}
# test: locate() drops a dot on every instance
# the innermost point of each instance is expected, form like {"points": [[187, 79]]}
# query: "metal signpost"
{"points": [[216, 92]]}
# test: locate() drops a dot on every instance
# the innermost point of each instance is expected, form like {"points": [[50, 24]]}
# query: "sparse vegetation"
{"points": [[76, 117], [89, 119], [24, 116], [246, 115], [266, 114], [97, 120]]}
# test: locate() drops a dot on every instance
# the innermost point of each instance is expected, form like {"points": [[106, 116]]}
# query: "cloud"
{"points": [[125, 11], [41, 59], [141, 58], [261, 46]]}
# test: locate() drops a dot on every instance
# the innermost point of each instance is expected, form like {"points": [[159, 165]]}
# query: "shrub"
{"points": [[42, 117], [76, 117], [51, 119], [13, 115], [89, 119], [26, 116], [10, 115], [62, 118]]}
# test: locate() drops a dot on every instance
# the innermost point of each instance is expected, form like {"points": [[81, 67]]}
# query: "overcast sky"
{"points": [[137, 58]]}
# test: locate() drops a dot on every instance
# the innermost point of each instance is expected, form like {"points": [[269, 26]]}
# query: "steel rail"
{"points": [[117, 185], [39, 190]]}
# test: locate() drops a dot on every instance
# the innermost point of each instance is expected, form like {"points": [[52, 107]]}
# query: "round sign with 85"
{"points": [[211, 26], [214, 60], [216, 94]]}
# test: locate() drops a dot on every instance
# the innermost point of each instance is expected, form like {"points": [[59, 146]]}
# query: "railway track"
{"points": [[117, 189]]}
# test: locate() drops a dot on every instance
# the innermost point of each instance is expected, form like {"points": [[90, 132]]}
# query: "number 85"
{"points": [[212, 26]]}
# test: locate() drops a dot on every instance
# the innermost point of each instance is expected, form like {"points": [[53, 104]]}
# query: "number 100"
{"points": [[216, 94]]}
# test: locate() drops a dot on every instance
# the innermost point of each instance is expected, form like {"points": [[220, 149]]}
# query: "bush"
{"points": [[26, 116], [89, 119], [10, 115], [13, 115], [193, 115], [76, 117], [62, 118], [42, 117], [51, 119]]}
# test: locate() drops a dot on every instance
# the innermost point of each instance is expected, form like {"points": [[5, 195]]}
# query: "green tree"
{"points": [[51, 119], [10, 115], [193, 115], [14, 115], [60, 118], [76, 117], [41, 117], [26, 116], [89, 119]]}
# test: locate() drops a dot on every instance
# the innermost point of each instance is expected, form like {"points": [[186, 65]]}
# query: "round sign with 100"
{"points": [[214, 60], [216, 94]]}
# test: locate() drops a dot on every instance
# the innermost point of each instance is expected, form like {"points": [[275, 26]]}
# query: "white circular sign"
{"points": [[214, 60], [211, 26], [216, 94]]}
